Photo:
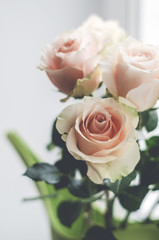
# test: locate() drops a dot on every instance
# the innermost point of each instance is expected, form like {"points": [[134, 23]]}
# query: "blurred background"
{"points": [[29, 102]]}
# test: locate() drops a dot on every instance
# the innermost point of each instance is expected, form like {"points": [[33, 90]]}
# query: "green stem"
{"points": [[124, 222], [140, 123], [89, 212], [109, 212], [42, 197], [25, 153]]}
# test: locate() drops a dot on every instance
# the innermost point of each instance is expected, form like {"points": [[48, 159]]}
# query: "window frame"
{"points": [[127, 12]]}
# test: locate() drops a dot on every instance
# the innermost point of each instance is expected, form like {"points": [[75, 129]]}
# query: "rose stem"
{"points": [[124, 222], [109, 211], [89, 219]]}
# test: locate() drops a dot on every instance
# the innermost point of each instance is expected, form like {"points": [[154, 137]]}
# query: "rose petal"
{"points": [[65, 79], [115, 169], [67, 117], [72, 147], [129, 77], [130, 110], [140, 55], [144, 96], [108, 65], [85, 86], [102, 156], [86, 146], [101, 140]]}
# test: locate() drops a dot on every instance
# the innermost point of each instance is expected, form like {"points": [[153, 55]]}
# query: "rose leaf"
{"points": [[56, 136], [155, 187], [68, 164], [149, 173], [152, 146], [84, 188], [152, 121], [118, 186], [97, 232], [78, 188], [69, 211], [149, 120], [132, 197], [44, 172]]}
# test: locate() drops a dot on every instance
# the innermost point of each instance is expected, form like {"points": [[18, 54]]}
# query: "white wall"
{"points": [[126, 11]]}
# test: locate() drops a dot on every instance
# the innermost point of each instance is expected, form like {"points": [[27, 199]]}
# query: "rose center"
{"points": [[100, 118], [69, 43], [143, 55], [99, 123], [69, 46]]}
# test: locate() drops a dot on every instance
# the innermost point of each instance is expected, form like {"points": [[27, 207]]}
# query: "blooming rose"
{"points": [[104, 32], [71, 62], [101, 132], [131, 70]]}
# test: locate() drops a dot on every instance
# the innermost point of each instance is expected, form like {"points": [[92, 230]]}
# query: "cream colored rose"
{"points": [[131, 70], [101, 132]]}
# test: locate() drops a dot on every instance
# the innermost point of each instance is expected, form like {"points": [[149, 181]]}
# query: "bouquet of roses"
{"points": [[104, 151]]}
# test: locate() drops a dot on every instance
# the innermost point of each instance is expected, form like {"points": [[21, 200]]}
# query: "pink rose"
{"points": [[72, 57], [102, 133], [71, 62], [104, 32], [131, 70]]}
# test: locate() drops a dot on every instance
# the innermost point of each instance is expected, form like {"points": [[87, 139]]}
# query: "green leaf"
{"points": [[118, 186], [69, 211], [132, 197], [68, 164], [44, 172], [149, 120], [143, 116], [84, 188], [78, 188], [100, 233], [155, 187], [153, 146], [82, 167], [152, 121], [150, 173], [143, 160], [63, 182], [56, 136]]}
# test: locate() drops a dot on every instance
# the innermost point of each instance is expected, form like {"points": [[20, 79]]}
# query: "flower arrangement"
{"points": [[105, 153]]}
